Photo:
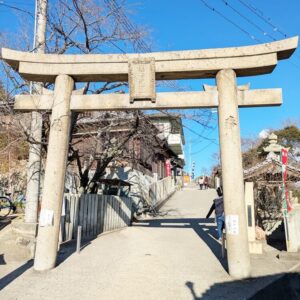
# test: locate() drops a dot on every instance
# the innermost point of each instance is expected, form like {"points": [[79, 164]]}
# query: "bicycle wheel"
{"points": [[5, 207]]}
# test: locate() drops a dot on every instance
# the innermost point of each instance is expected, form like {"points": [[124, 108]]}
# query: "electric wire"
{"points": [[230, 21], [16, 8], [252, 36], [202, 149], [255, 11], [189, 129], [275, 28], [139, 45], [249, 20]]}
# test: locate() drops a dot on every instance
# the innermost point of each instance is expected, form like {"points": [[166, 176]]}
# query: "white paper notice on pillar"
{"points": [[232, 224], [46, 217]]}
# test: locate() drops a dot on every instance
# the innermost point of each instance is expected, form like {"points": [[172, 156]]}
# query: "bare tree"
{"points": [[84, 27], [111, 137], [87, 26]]}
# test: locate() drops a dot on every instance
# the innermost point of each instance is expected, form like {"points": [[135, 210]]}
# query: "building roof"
{"points": [[272, 166]]}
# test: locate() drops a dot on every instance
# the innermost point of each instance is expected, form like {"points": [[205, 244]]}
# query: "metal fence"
{"points": [[95, 214]]}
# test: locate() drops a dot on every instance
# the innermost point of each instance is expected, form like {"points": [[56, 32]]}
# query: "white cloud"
{"points": [[264, 133]]}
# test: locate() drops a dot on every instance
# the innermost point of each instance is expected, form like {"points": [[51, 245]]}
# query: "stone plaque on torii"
{"points": [[141, 71]]}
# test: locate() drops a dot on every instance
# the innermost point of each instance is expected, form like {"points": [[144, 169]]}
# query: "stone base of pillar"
{"points": [[256, 247], [25, 235]]}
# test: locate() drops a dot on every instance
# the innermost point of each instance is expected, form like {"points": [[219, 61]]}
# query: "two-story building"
{"points": [[171, 129]]}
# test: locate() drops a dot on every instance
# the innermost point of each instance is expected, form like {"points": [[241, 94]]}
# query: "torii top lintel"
{"points": [[246, 61]]}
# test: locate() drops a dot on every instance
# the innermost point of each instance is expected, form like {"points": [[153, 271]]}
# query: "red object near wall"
{"points": [[168, 168], [284, 162]]}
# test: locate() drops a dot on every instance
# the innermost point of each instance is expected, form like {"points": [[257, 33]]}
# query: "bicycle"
{"points": [[6, 206]]}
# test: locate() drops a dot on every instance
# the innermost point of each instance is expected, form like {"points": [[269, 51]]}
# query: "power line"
{"points": [[199, 151], [260, 15], [22, 3], [253, 37], [249, 20], [139, 45], [230, 21], [16, 8], [267, 20], [188, 128]]}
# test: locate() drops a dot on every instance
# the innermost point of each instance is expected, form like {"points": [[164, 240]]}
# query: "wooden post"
{"points": [[78, 242]]}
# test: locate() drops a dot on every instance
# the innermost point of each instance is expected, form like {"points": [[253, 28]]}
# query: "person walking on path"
{"points": [[205, 182], [201, 182], [218, 207]]}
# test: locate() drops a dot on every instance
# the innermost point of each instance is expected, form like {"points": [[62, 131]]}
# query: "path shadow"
{"points": [[68, 248], [205, 229], [6, 280], [6, 221], [65, 251], [190, 285], [271, 287]]}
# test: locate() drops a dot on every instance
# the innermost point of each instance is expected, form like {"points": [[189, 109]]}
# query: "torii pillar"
{"points": [[141, 70], [232, 175], [54, 182]]}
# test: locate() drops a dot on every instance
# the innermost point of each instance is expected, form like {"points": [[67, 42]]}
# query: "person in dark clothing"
{"points": [[205, 182], [218, 207]]}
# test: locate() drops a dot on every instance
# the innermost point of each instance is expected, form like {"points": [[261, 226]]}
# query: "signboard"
{"points": [[46, 217], [193, 170], [232, 224], [141, 79], [186, 179]]}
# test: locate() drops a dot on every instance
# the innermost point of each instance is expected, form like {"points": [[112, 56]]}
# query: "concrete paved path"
{"points": [[172, 256]]}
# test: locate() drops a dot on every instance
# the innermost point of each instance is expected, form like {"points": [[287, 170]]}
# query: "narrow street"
{"points": [[171, 256]]}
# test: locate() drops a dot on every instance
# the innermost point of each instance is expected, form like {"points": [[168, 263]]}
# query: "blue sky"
{"points": [[180, 25], [183, 25]]}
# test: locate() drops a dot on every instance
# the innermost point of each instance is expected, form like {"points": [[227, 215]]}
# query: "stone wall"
{"points": [[141, 182]]}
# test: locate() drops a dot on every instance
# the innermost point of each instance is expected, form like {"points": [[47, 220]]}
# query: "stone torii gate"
{"points": [[141, 71]]}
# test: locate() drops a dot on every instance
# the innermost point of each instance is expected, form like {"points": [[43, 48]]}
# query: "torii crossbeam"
{"points": [[141, 71], [246, 61]]}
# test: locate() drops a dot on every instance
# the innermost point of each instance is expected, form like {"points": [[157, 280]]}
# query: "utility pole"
{"points": [[34, 161], [190, 158]]}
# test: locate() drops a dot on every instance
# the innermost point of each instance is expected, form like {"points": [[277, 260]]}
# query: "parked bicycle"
{"points": [[6, 206], [9, 204]]}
